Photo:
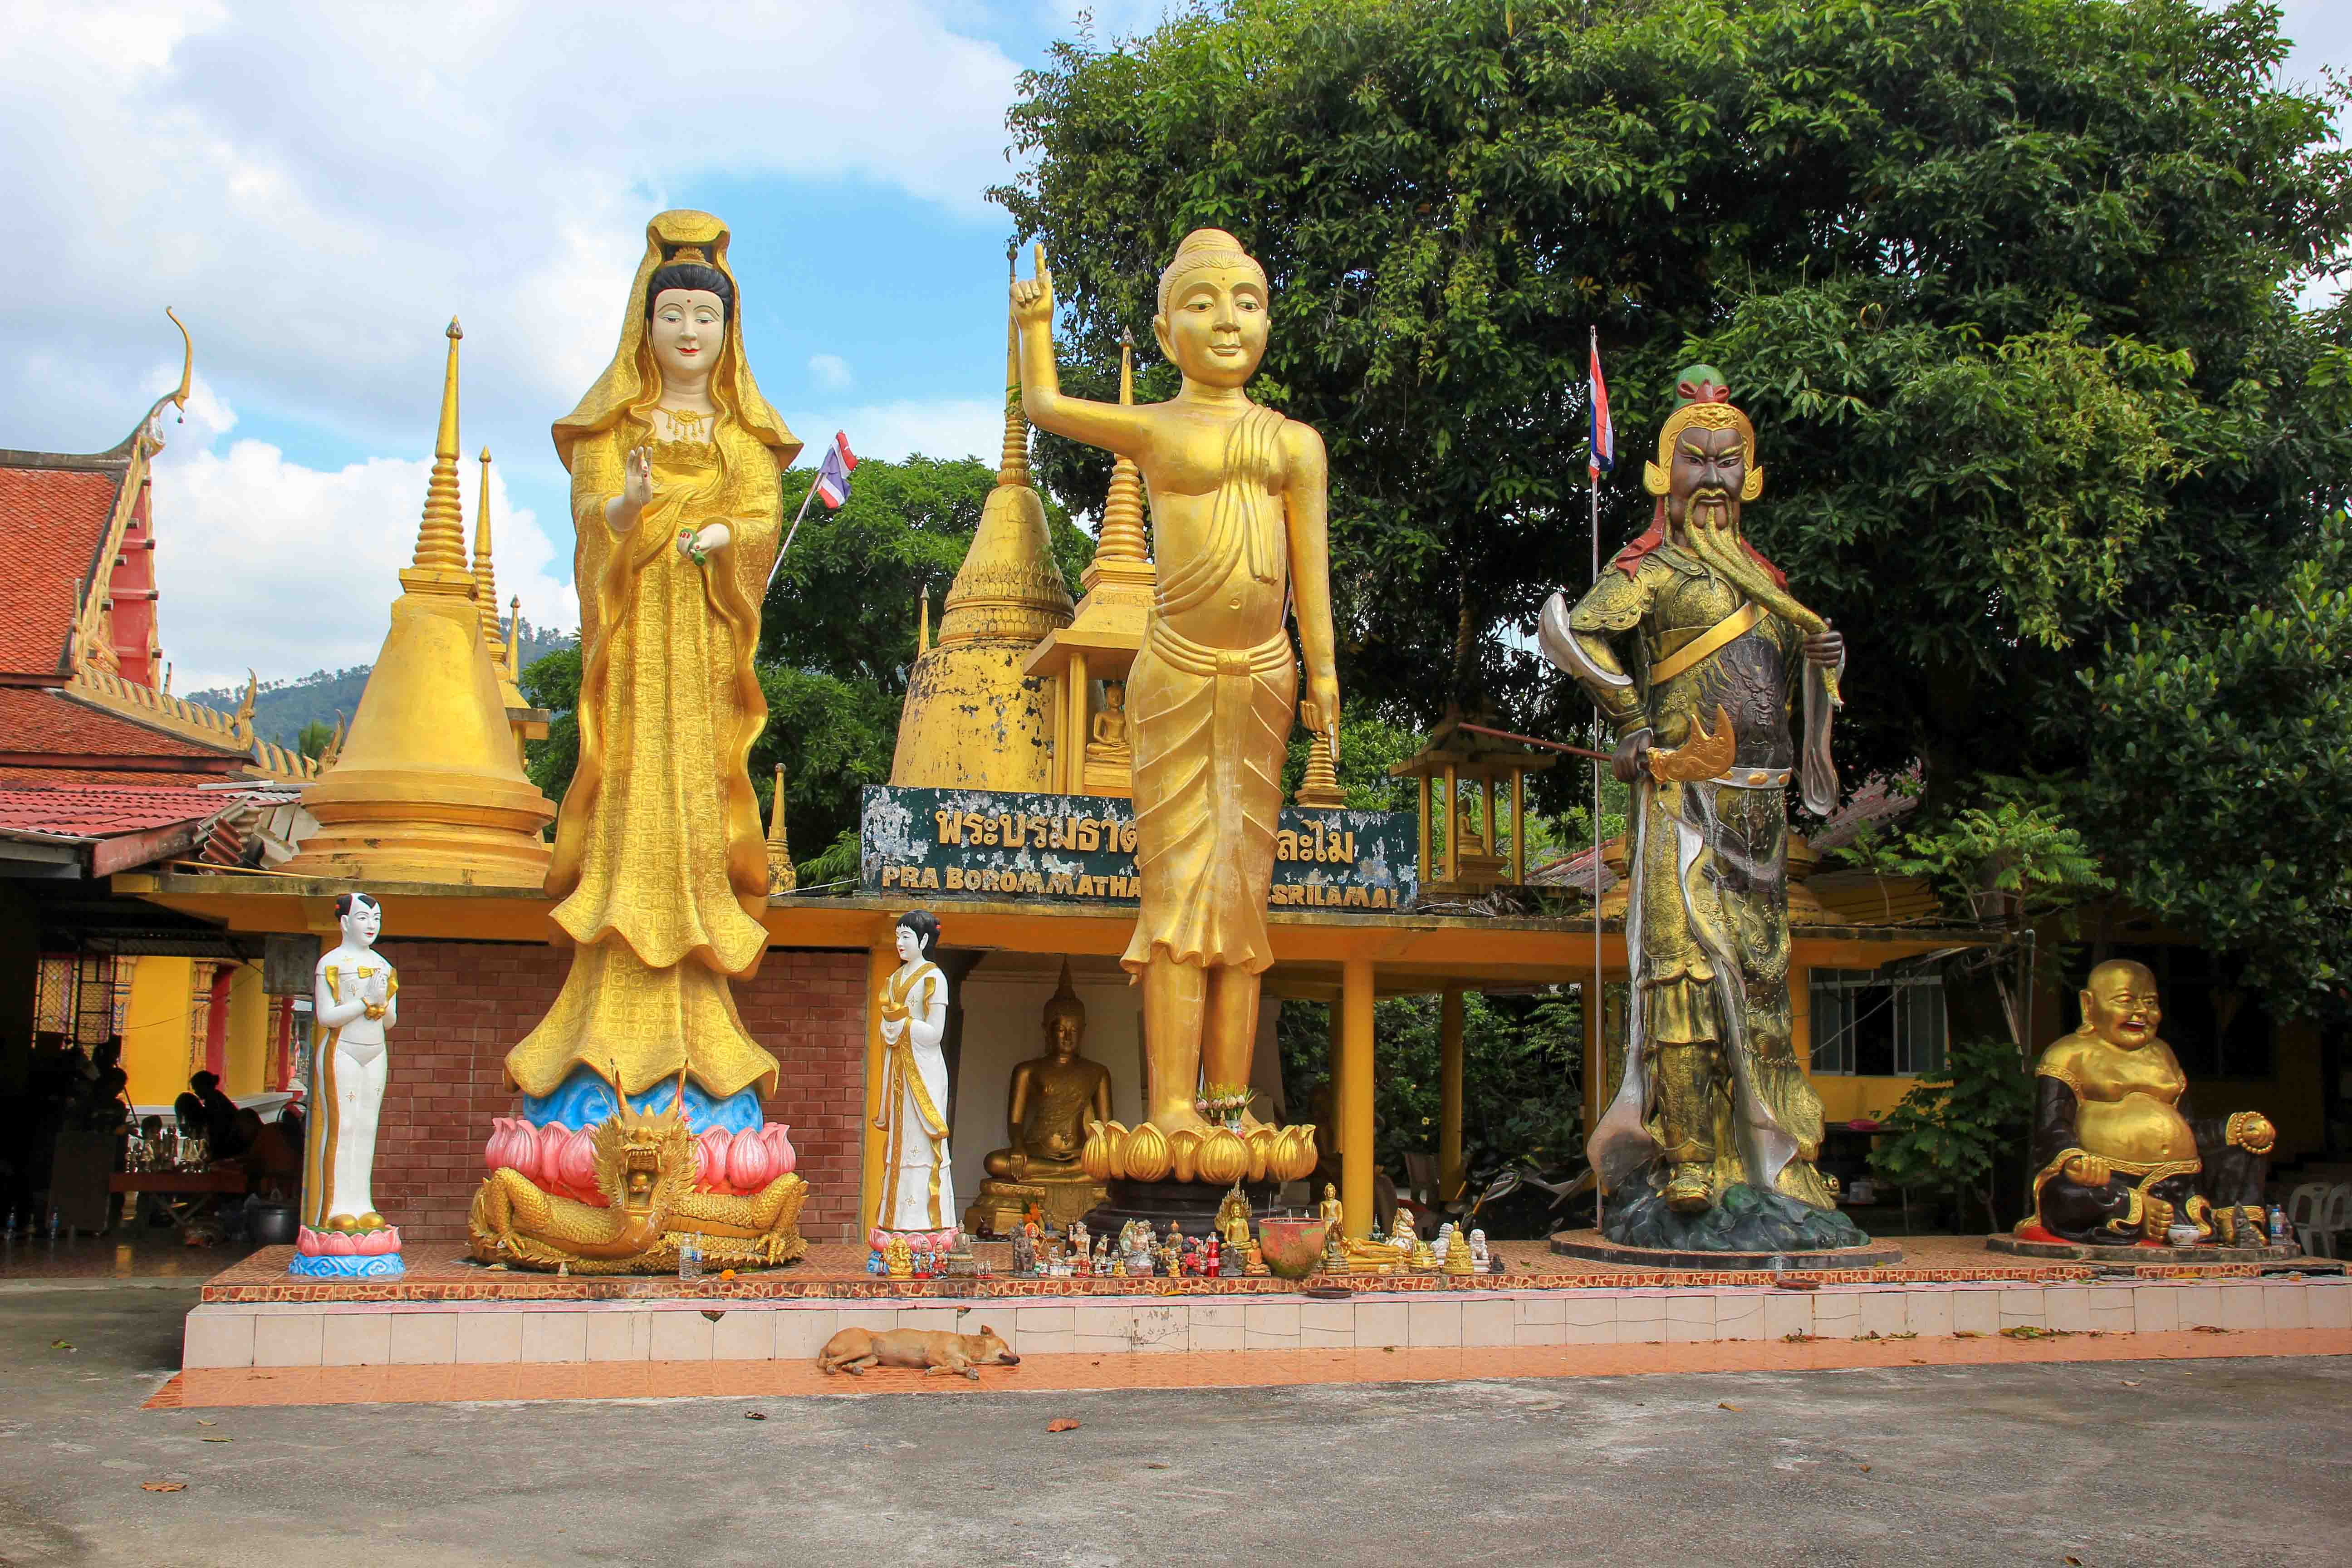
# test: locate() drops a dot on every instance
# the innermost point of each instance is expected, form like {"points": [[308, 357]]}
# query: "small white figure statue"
{"points": [[354, 1003], [917, 1184], [1483, 1260]]}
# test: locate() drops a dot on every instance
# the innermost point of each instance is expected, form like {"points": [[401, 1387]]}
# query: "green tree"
{"points": [[1956, 1134], [836, 638], [314, 739], [2222, 763], [2009, 286]]}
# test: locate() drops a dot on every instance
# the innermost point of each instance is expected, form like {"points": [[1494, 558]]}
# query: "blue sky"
{"points": [[318, 188]]}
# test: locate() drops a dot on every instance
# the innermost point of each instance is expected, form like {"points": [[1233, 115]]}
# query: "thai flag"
{"points": [[833, 471], [1604, 431]]}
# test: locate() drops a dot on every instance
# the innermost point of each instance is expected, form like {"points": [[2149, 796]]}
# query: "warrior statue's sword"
{"points": [[1704, 755]]}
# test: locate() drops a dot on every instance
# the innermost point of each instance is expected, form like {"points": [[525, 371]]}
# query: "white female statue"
{"points": [[917, 1183], [354, 1001]]}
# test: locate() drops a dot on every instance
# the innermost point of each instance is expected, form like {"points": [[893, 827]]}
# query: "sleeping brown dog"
{"points": [[854, 1350]]}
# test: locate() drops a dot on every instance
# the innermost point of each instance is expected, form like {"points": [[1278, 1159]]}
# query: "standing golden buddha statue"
{"points": [[660, 861], [1240, 533]]}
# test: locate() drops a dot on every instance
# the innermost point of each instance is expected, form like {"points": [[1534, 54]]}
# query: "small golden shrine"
{"points": [[1093, 752], [1471, 771]]}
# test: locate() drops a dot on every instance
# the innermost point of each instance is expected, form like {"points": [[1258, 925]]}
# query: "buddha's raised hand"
{"points": [[1033, 299]]}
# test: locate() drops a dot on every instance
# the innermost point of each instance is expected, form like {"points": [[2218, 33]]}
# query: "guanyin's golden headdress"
{"points": [[1704, 400], [631, 383]]}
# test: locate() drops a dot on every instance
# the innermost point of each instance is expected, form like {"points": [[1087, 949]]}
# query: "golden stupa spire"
{"points": [[972, 718], [781, 878], [514, 643], [486, 579], [923, 622], [428, 785], [440, 560], [1121, 536]]}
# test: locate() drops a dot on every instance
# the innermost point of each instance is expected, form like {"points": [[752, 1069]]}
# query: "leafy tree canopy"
{"points": [[2009, 288]]}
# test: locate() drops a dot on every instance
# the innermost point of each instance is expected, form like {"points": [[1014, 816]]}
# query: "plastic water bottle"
{"points": [[690, 1257], [2278, 1225]]}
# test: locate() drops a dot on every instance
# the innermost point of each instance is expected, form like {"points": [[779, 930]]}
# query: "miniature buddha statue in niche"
{"points": [[2117, 1158], [1110, 744], [1048, 1103]]}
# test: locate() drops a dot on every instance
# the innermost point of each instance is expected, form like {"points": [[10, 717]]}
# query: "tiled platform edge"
{"points": [[234, 1335]]}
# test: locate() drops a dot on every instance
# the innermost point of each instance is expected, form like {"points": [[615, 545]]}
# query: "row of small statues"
{"points": [[1402, 1250]]}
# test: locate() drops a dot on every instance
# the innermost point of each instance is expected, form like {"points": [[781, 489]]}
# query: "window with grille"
{"points": [[1868, 1024]]}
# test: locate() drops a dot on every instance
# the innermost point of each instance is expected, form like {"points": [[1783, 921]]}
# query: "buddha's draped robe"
{"points": [[1210, 728]]}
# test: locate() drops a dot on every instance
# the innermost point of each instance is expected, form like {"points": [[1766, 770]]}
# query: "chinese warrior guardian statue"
{"points": [[641, 1087], [1695, 653], [2118, 1159], [1240, 533]]}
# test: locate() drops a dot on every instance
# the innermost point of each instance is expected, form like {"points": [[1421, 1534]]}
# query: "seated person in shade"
{"points": [[272, 1160], [219, 1115]]}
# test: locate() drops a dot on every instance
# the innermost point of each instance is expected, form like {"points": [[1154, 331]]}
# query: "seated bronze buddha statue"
{"points": [[2117, 1157], [1048, 1104]]}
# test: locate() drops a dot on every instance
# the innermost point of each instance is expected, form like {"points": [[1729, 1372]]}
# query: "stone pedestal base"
{"points": [[998, 1208], [2079, 1252], [1193, 1204], [1594, 1245]]}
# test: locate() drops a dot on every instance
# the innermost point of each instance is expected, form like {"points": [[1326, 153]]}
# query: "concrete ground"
{"points": [[2143, 1463]]}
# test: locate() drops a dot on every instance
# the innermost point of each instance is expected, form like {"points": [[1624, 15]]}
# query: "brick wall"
{"points": [[464, 1003]]}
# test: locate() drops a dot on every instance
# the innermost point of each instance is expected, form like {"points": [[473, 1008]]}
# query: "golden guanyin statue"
{"points": [[1048, 1103], [1240, 533], [1696, 654], [2118, 1159], [660, 862]]}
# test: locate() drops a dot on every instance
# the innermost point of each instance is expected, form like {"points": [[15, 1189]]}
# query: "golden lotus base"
{"points": [[1218, 1156], [1000, 1206]]}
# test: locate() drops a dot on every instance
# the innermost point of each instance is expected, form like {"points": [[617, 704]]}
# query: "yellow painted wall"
{"points": [[249, 1033], [156, 1049]]}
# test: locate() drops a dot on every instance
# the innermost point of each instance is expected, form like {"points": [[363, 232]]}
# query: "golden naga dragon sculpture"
{"points": [[645, 1167]]}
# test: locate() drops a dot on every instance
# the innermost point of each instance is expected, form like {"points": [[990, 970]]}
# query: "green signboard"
{"points": [[982, 844]]}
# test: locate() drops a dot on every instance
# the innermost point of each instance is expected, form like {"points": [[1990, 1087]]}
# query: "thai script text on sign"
{"points": [[985, 843]]}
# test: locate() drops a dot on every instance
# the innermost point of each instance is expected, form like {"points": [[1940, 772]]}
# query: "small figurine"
{"points": [[1255, 1268], [1480, 1258], [1025, 1252], [1078, 1238], [1101, 1263], [873, 1263], [900, 1258], [1459, 1260]]}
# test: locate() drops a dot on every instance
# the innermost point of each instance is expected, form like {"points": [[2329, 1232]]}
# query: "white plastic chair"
{"points": [[2303, 1213], [2335, 1217]]}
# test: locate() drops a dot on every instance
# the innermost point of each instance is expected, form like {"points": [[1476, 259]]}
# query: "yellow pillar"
{"points": [[1356, 1110], [1449, 1174], [245, 1070], [1338, 1064], [1422, 868], [879, 962], [1518, 829], [1081, 700]]}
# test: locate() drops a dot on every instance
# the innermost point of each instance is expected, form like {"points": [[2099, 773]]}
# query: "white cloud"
{"points": [[948, 428], [265, 564], [318, 188], [829, 370]]}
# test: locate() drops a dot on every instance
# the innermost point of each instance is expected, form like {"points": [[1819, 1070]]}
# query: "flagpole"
{"points": [[1600, 992], [778, 564]]}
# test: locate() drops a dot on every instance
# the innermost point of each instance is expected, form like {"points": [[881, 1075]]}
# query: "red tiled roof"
{"points": [[33, 719], [13, 777], [103, 811], [55, 520]]}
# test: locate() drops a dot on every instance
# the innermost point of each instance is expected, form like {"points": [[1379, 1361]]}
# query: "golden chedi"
{"points": [[661, 865], [2117, 1158], [1048, 1104], [428, 787], [973, 717], [1240, 535]]}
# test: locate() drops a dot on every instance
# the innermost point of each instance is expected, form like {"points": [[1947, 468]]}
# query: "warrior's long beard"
{"points": [[1711, 531]]}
